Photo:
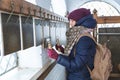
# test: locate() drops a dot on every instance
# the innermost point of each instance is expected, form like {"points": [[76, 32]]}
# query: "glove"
{"points": [[52, 53]]}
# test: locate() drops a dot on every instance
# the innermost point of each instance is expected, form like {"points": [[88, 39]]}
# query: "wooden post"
{"points": [[95, 30]]}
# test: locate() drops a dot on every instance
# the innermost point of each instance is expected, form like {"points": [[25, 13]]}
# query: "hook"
{"points": [[34, 12], [40, 11], [21, 8], [29, 14], [12, 5], [107, 41]]}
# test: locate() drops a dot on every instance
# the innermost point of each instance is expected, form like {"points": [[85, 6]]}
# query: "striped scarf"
{"points": [[72, 37]]}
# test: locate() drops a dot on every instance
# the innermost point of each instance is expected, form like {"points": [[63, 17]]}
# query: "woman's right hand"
{"points": [[52, 53]]}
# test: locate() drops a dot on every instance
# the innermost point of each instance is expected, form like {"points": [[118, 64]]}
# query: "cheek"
{"points": [[71, 24], [74, 23]]}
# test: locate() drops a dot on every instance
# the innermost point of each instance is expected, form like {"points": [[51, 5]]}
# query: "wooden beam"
{"points": [[105, 19], [108, 19], [46, 72], [9, 5], [114, 75], [29, 9]]}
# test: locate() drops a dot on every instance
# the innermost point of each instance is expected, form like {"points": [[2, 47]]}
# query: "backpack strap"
{"points": [[87, 34], [90, 71]]}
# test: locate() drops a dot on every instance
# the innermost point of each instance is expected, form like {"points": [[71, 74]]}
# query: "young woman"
{"points": [[81, 52]]}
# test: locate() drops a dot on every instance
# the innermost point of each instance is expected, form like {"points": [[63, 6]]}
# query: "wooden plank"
{"points": [[46, 72], [26, 8], [114, 75], [108, 19], [4, 5], [7, 5]]}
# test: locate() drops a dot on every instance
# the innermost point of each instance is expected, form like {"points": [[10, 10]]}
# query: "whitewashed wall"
{"points": [[56, 6], [33, 57]]}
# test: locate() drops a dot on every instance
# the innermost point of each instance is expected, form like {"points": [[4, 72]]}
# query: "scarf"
{"points": [[72, 36]]}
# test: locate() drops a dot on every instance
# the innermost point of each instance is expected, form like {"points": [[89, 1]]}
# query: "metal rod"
{"points": [[29, 11], [12, 10], [108, 33]]}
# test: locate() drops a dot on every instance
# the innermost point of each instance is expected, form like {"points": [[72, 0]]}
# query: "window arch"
{"points": [[103, 9]]}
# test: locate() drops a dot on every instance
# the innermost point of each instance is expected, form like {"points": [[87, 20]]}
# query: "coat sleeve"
{"points": [[80, 59]]}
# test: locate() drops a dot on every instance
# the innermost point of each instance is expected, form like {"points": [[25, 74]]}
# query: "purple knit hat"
{"points": [[78, 14]]}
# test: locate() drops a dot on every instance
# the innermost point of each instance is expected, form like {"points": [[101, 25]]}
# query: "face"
{"points": [[72, 23]]}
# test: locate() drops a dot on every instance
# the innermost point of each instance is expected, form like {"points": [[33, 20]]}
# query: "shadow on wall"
{"points": [[44, 4], [57, 6]]}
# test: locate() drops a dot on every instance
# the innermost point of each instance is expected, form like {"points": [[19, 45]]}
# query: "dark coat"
{"points": [[76, 65]]}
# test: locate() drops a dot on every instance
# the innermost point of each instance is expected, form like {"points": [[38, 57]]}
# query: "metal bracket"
{"points": [[29, 11], [34, 12], [21, 8], [12, 6]]}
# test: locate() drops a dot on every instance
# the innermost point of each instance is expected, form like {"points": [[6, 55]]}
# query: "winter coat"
{"points": [[75, 63]]}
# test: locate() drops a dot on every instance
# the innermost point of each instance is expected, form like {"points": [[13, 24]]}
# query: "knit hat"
{"points": [[79, 13]]}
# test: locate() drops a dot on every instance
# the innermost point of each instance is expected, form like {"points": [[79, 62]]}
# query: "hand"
{"points": [[59, 48], [52, 54]]}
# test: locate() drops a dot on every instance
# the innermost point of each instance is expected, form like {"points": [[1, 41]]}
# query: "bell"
{"points": [[49, 45]]}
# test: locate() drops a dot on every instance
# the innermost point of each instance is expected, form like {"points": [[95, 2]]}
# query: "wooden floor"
{"points": [[113, 78]]}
